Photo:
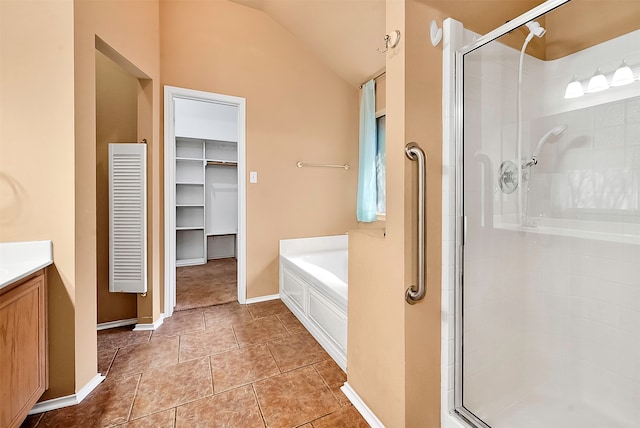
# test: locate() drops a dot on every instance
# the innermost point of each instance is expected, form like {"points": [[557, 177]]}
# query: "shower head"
{"points": [[535, 29], [558, 130]]}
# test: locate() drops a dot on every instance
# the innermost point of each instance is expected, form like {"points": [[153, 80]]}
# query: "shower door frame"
{"points": [[464, 415]]}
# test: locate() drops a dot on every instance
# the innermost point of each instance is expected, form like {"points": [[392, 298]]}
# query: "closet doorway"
{"points": [[205, 194]]}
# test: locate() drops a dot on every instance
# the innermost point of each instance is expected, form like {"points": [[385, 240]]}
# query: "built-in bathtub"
{"points": [[313, 285]]}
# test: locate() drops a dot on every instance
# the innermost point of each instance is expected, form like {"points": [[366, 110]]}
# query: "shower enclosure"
{"points": [[547, 210]]}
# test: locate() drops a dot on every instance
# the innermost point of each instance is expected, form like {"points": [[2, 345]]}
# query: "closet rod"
{"points": [[222, 163]]}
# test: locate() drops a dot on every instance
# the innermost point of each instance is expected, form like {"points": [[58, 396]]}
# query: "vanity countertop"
{"points": [[21, 259]]}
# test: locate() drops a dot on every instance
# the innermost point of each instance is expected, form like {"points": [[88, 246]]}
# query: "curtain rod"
{"points": [[375, 77]]}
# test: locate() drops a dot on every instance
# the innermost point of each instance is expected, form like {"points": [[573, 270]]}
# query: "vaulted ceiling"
{"points": [[346, 34], [343, 33]]}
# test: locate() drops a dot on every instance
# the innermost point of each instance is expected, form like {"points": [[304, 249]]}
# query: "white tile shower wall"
{"points": [[583, 298], [583, 308]]}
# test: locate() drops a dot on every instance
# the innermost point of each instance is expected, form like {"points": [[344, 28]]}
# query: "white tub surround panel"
{"points": [[313, 285]]}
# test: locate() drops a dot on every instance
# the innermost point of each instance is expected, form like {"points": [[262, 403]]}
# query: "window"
{"points": [[381, 162]]}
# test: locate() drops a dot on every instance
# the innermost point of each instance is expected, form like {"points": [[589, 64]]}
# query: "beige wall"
{"points": [[48, 152], [423, 124], [36, 156], [116, 121], [297, 110], [396, 371], [132, 30], [378, 266]]}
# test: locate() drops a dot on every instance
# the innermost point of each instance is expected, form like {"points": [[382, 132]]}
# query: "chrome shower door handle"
{"points": [[415, 294]]}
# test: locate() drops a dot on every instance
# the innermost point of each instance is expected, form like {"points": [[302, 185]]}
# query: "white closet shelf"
{"points": [[189, 159], [190, 228], [191, 182], [223, 233], [189, 205], [221, 162]]}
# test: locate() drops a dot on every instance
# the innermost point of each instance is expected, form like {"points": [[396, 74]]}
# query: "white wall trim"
{"points": [[262, 299], [361, 407], [114, 324], [153, 326], [68, 400], [171, 92]]}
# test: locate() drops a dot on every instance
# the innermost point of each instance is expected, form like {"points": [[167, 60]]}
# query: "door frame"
{"points": [[171, 93]]}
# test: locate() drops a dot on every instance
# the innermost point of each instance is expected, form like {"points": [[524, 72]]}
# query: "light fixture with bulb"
{"points": [[574, 89], [598, 82], [623, 75]]}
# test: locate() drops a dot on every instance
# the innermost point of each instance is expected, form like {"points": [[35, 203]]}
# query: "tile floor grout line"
{"points": [[175, 417], [325, 415], [213, 389], [284, 326], [135, 395], [39, 419], [255, 396], [235, 336], [179, 346], [327, 384], [115, 354], [274, 358], [180, 404]]}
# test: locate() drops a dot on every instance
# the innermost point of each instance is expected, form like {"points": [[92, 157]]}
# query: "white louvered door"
{"points": [[128, 218]]}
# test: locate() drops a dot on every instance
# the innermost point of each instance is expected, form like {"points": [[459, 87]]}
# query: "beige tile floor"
{"points": [[221, 366], [212, 283]]}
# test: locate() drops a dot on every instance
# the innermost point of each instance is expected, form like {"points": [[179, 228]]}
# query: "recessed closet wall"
{"points": [[116, 121]]}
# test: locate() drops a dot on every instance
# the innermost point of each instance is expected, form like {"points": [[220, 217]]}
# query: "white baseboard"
{"points": [[119, 323], [153, 326], [262, 299], [68, 400], [361, 407]]}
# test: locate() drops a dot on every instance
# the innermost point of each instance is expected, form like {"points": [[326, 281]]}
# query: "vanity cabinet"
{"points": [[23, 347]]}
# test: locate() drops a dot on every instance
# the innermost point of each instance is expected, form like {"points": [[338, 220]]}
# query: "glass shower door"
{"points": [[549, 292]]}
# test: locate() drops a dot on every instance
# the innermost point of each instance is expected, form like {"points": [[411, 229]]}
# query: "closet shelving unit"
{"points": [[206, 180], [206, 200], [190, 204]]}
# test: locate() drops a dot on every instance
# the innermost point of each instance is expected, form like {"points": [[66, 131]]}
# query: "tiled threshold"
{"points": [[230, 365]]}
